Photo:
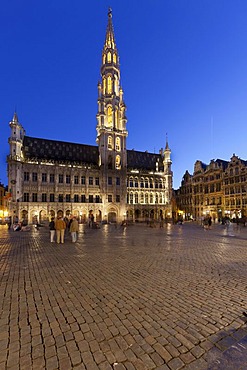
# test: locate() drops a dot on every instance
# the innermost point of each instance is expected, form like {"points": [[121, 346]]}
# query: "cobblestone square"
{"points": [[124, 298]]}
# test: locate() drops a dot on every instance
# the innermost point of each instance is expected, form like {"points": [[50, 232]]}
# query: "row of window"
{"points": [[238, 202], [67, 198], [235, 179], [236, 190], [224, 175], [131, 198], [146, 198], [145, 183], [67, 179]]}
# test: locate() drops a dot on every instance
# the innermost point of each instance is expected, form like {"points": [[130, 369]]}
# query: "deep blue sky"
{"points": [[183, 72]]}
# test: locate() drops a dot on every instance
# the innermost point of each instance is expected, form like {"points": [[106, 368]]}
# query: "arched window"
{"points": [[142, 198], [136, 182], [114, 58], [116, 85], [160, 199], [108, 57], [104, 58], [104, 85], [116, 118], [118, 146], [131, 182], [156, 198], [118, 162], [131, 198], [146, 198], [109, 142], [136, 198], [146, 182], [109, 85], [151, 198], [161, 183], [109, 115], [142, 182]]}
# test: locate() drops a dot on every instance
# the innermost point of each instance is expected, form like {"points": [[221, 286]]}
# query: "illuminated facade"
{"points": [[217, 189], [3, 204], [48, 177]]}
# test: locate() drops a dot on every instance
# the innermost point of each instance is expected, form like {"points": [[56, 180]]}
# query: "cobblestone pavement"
{"points": [[134, 298]]}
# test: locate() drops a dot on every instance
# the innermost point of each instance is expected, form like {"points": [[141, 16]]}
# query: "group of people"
{"points": [[57, 229]]}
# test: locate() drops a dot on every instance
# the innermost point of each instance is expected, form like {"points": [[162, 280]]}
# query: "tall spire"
{"points": [[110, 38], [167, 146], [111, 106], [111, 116]]}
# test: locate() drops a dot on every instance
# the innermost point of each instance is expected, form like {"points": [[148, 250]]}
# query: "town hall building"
{"points": [[47, 178]]}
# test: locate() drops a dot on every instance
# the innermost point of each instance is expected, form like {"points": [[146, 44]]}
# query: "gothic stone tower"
{"points": [[111, 128]]}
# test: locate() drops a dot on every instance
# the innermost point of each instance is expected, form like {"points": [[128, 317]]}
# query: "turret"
{"points": [[16, 138], [167, 158]]}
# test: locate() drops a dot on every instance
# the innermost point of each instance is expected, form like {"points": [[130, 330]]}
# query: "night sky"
{"points": [[183, 72]]}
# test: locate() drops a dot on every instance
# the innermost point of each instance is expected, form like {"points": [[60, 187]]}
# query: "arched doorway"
{"points": [[112, 217], [137, 215], [99, 216], [42, 216], [24, 218]]}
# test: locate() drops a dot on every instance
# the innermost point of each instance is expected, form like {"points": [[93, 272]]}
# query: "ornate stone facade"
{"points": [[48, 177], [217, 189]]}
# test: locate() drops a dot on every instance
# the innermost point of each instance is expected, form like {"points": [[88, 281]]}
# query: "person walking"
{"points": [[60, 227], [74, 228], [52, 230]]}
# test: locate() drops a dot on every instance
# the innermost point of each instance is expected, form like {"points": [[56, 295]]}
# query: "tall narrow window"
{"points": [[146, 198], [109, 115], [136, 198], [108, 57], [109, 142], [109, 85], [131, 198], [118, 147], [26, 197], [44, 177], [26, 176], [118, 162], [35, 177], [114, 58]]}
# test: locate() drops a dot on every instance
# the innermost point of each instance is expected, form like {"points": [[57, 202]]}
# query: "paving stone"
{"points": [[148, 297]]}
